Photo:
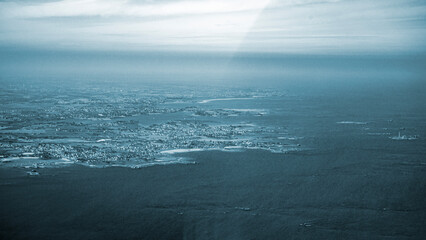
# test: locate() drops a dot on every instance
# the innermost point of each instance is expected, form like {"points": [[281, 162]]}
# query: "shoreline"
{"points": [[166, 157]]}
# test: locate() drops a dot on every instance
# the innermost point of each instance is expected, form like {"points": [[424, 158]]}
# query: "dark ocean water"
{"points": [[258, 146]]}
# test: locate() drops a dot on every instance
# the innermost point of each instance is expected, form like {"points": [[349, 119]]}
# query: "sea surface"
{"points": [[211, 146]]}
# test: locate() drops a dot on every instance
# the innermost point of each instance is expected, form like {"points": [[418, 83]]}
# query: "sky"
{"points": [[288, 26]]}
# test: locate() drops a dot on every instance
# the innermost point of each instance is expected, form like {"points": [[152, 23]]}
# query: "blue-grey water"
{"points": [[245, 146]]}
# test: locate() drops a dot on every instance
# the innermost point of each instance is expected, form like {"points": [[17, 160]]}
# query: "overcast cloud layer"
{"points": [[222, 25]]}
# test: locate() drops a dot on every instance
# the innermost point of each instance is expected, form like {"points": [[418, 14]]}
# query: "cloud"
{"points": [[249, 25], [123, 8], [340, 26]]}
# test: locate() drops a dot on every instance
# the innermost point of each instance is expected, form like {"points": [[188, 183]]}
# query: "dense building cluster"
{"points": [[116, 127]]}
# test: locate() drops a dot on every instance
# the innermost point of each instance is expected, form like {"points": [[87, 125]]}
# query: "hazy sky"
{"points": [[244, 25]]}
